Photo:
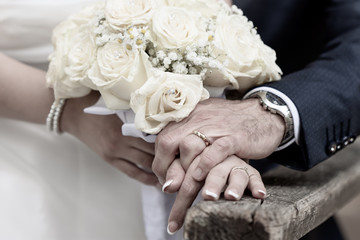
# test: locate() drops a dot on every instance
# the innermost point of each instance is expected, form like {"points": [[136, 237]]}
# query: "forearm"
{"points": [[23, 92]]}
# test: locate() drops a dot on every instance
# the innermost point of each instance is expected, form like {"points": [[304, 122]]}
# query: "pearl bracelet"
{"points": [[53, 118]]}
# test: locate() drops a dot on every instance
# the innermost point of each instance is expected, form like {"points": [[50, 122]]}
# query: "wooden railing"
{"points": [[297, 203]]}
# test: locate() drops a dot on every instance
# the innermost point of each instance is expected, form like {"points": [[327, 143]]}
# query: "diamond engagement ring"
{"points": [[202, 136]]}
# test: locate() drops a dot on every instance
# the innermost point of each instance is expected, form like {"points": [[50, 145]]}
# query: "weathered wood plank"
{"points": [[298, 202]]}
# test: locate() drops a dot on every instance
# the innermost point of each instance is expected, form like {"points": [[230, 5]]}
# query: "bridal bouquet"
{"points": [[158, 58]]}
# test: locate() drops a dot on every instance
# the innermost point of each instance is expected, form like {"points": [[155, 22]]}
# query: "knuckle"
{"points": [[255, 182], [223, 144], [147, 163], [207, 161], [257, 173], [186, 146], [158, 169], [173, 172], [165, 140], [187, 189], [216, 177]]}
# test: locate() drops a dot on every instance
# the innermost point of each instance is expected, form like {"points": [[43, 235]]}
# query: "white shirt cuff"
{"points": [[292, 108]]}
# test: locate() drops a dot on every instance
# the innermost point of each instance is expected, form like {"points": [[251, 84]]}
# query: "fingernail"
{"points": [[211, 194], [198, 173], [262, 192], [233, 194], [172, 228], [168, 182]]}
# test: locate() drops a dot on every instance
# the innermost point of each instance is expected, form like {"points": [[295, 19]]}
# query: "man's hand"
{"points": [[241, 128], [102, 134]]}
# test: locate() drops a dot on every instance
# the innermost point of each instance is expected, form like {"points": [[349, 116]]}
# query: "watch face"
{"points": [[274, 99]]}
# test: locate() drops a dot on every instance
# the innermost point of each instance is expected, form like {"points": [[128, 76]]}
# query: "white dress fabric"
{"points": [[56, 188]]}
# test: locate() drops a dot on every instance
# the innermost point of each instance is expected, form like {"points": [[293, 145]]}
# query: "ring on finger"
{"points": [[245, 169], [203, 137]]}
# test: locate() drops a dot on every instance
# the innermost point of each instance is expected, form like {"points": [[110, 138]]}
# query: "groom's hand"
{"points": [[241, 128]]}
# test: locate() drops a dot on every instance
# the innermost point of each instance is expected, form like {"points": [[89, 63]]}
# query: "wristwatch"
{"points": [[273, 103]]}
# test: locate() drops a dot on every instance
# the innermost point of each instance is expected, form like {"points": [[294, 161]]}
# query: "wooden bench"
{"points": [[297, 203]]}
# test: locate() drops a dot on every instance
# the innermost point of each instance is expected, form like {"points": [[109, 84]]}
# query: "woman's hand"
{"points": [[233, 173], [236, 175], [102, 134]]}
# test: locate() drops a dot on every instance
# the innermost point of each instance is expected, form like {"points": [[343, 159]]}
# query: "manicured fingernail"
{"points": [[211, 194], [172, 228], [168, 182], [262, 193], [233, 194], [198, 173]]}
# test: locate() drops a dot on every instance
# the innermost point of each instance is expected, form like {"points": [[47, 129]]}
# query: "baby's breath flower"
{"points": [[191, 56], [173, 56], [155, 61], [151, 52], [167, 61], [214, 64], [179, 67], [198, 61], [162, 68], [161, 54], [193, 70]]}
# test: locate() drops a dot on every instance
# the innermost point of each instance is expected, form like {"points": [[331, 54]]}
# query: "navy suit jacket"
{"points": [[318, 48]]}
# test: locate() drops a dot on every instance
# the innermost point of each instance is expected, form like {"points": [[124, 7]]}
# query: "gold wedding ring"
{"points": [[241, 168], [203, 137]]}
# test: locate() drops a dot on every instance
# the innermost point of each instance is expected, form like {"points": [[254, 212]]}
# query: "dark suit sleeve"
{"points": [[327, 91]]}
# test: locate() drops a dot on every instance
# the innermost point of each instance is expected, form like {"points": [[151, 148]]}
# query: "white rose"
{"points": [[81, 56], [248, 61], [116, 73], [166, 97], [174, 27], [74, 52], [207, 8], [72, 57], [122, 13]]}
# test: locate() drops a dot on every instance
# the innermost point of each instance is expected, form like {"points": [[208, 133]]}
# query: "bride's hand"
{"points": [[24, 96], [236, 175], [103, 135], [233, 173]]}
